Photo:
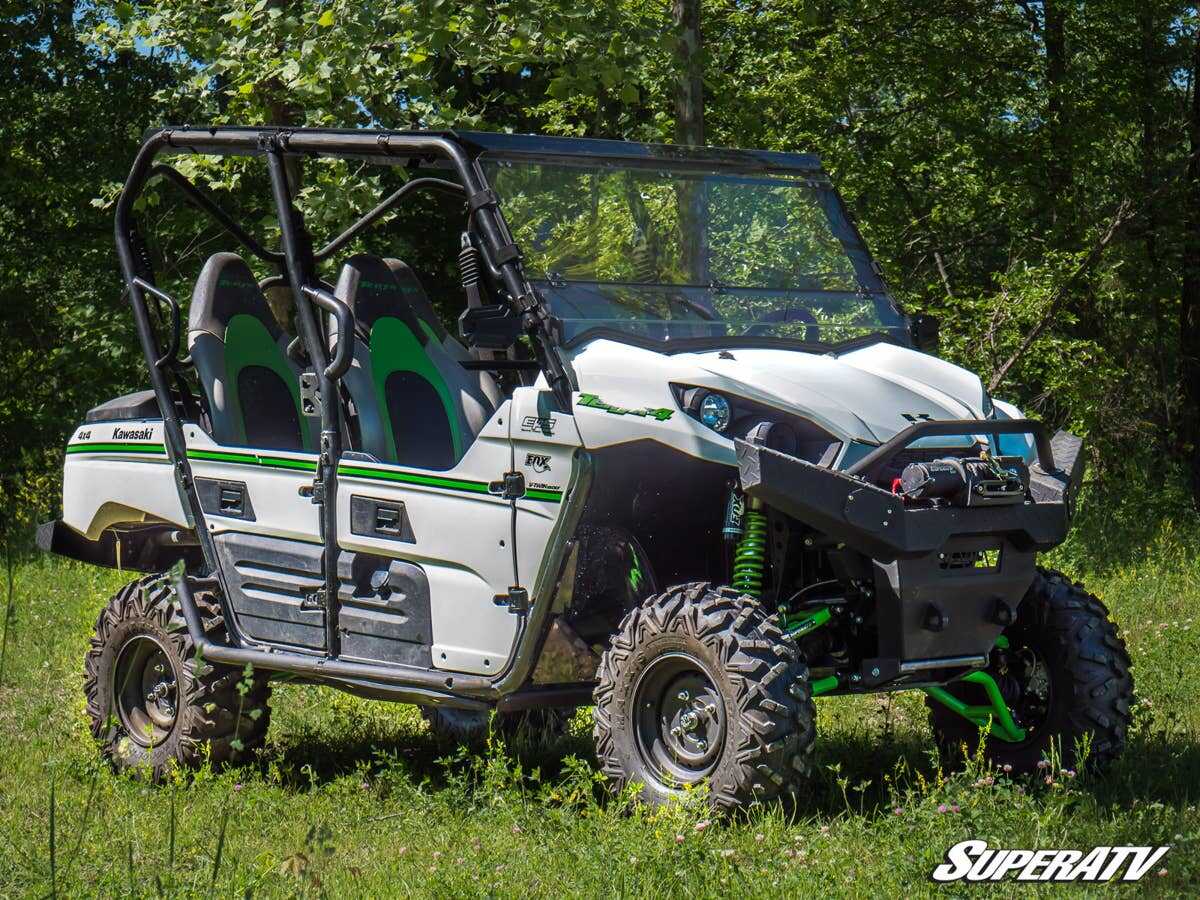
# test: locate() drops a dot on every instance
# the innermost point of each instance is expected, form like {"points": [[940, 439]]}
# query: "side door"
{"points": [[545, 445], [258, 507], [427, 557]]}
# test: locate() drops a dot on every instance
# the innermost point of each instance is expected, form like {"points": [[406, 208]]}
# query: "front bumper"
{"points": [[947, 580]]}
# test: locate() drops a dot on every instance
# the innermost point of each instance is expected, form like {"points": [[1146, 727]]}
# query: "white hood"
{"points": [[868, 395]]}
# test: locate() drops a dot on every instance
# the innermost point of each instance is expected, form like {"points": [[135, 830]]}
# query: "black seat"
{"points": [[480, 385], [240, 353], [416, 405]]}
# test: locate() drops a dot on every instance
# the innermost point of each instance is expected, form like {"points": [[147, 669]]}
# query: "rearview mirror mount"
{"points": [[495, 326], [925, 331]]}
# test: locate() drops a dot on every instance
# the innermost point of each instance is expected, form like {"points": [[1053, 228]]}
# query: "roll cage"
{"points": [[296, 261]]}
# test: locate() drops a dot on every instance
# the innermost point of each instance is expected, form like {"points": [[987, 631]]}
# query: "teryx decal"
{"points": [[537, 462], [591, 400]]}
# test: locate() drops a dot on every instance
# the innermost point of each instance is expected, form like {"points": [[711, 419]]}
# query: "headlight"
{"points": [[714, 412]]}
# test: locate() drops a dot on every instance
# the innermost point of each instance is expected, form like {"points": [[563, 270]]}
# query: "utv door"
{"points": [[259, 510], [427, 553]]}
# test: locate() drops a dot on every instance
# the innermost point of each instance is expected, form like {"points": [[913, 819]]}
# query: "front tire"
{"points": [[699, 684], [152, 702], [1065, 676]]}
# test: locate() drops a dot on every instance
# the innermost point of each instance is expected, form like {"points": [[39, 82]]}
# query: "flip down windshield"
{"points": [[669, 254]]}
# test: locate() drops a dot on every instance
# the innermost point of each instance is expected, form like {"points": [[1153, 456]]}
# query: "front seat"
{"points": [[416, 405], [482, 383], [240, 354]]}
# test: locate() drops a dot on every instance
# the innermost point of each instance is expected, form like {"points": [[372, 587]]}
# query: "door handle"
{"points": [[232, 500], [387, 519]]}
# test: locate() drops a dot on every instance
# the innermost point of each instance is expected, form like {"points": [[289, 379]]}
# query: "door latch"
{"points": [[310, 394], [517, 600], [512, 487]]}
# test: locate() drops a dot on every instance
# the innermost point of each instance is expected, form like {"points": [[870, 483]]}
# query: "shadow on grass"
{"points": [[853, 772]]}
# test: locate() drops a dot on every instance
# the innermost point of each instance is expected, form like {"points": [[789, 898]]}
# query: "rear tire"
{"points": [[152, 703], [699, 684], [1081, 684]]}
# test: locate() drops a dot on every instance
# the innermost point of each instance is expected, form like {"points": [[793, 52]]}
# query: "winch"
{"points": [[972, 481]]}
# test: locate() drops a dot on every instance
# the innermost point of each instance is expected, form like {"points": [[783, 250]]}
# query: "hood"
{"points": [[868, 394]]}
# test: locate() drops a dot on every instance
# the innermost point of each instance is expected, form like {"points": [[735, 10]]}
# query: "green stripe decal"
{"points": [[450, 484], [305, 465], [435, 481], [116, 447], [253, 459]]}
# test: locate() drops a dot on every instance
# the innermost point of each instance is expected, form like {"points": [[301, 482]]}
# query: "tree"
{"points": [[71, 119]]}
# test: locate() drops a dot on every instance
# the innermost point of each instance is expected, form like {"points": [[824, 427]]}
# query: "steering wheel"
{"points": [[787, 315]]}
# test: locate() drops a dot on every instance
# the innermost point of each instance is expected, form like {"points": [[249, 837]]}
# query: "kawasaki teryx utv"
{"points": [[682, 457]]}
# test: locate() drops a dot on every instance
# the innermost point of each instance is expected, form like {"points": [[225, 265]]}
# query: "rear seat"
{"points": [[240, 354]]}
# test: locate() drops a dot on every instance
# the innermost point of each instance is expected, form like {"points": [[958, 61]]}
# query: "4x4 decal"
{"points": [[595, 402]]}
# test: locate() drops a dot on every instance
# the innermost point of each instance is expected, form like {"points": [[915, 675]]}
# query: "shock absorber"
{"points": [[750, 557], [468, 268]]}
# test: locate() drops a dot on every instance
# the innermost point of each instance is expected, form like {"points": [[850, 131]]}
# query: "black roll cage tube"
{"points": [[296, 261], [369, 218], [200, 199]]}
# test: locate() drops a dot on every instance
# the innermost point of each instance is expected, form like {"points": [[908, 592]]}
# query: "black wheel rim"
{"points": [[680, 722], [146, 690]]}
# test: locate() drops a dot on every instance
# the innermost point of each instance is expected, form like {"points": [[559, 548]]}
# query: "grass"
{"points": [[354, 798]]}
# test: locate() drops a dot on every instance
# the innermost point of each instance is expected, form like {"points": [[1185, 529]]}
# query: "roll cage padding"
{"points": [[240, 354]]}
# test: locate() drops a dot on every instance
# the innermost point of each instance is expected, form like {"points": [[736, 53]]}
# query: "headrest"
{"points": [[370, 287], [227, 288], [414, 293]]}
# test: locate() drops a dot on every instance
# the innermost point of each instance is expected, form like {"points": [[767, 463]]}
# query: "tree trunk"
{"points": [[1058, 114], [689, 84], [691, 197], [1151, 33], [1189, 307]]}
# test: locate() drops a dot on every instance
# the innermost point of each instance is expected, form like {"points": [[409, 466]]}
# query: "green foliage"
{"points": [[71, 120]]}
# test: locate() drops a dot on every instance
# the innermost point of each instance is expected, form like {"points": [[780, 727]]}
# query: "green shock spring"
{"points": [[749, 560]]}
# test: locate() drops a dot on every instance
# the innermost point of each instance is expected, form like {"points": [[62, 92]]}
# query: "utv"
{"points": [[682, 458]]}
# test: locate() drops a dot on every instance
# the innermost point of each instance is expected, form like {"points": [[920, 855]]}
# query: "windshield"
{"points": [[667, 254]]}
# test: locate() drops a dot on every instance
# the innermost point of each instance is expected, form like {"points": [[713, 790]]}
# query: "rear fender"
{"points": [[118, 473]]}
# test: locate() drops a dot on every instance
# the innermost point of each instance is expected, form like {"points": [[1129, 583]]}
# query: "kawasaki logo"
{"points": [[132, 434], [594, 402]]}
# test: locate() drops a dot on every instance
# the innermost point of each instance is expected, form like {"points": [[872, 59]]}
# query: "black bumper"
{"points": [[933, 598], [875, 521]]}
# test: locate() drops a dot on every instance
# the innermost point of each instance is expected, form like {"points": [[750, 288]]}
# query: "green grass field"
{"points": [[354, 798]]}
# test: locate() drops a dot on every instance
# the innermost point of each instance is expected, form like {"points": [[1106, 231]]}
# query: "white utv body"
{"points": [[684, 459]]}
